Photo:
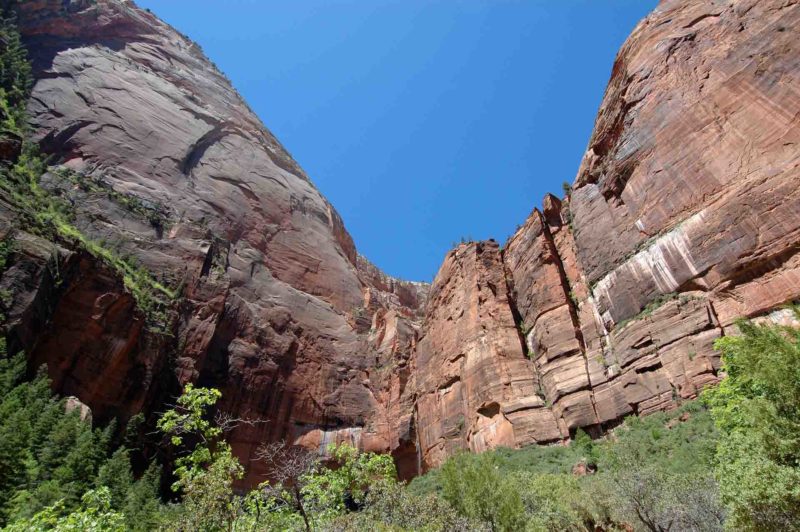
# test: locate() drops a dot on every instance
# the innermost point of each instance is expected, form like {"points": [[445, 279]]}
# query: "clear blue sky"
{"points": [[422, 121]]}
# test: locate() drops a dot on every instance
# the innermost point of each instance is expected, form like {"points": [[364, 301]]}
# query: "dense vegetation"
{"points": [[655, 472], [757, 410], [729, 461], [52, 461]]}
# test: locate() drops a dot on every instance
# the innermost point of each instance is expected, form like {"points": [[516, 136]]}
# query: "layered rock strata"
{"points": [[684, 216], [474, 386], [164, 165]]}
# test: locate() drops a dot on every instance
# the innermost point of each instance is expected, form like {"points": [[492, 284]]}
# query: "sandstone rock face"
{"points": [[690, 180], [684, 216], [276, 309], [475, 388]]}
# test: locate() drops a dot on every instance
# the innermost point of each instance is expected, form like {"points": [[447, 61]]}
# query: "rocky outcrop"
{"points": [[474, 386], [684, 216], [164, 165]]}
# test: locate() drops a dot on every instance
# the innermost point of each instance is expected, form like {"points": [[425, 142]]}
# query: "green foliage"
{"points": [[15, 78], [757, 410], [472, 485], [311, 496], [142, 507], [652, 474], [391, 506], [6, 250], [206, 469], [663, 440], [573, 299], [95, 514], [189, 419], [534, 459], [327, 491], [45, 454], [49, 458], [117, 477], [552, 501], [585, 446], [659, 473], [208, 502]]}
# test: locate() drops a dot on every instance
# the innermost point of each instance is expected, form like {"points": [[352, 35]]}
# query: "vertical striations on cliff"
{"points": [[684, 216]]}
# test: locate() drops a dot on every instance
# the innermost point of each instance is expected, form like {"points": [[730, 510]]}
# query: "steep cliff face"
{"points": [[163, 163], [684, 216], [474, 386], [690, 178]]}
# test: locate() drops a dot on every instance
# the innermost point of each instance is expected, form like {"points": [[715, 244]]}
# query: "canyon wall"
{"points": [[684, 216], [163, 164]]}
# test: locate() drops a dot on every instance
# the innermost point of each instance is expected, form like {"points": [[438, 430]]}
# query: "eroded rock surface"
{"points": [[168, 166], [684, 216], [475, 387]]}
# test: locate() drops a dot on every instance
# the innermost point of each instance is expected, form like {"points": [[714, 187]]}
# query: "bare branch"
{"points": [[227, 422], [287, 463]]}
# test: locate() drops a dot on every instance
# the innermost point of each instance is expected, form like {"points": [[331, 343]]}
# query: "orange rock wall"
{"points": [[684, 216]]}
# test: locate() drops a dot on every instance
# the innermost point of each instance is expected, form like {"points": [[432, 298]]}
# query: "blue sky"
{"points": [[422, 121]]}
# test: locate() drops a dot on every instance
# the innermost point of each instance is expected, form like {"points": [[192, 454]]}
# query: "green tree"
{"points": [[472, 485], [46, 454], [328, 492], [50, 458], [757, 410], [304, 494], [15, 76], [116, 475], [143, 508], [207, 468]]}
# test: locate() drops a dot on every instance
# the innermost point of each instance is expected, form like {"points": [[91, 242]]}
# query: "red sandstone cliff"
{"points": [[275, 307], [685, 215]]}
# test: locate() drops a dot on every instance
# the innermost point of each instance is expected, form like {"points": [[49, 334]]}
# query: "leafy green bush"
{"points": [[757, 410], [474, 488]]}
